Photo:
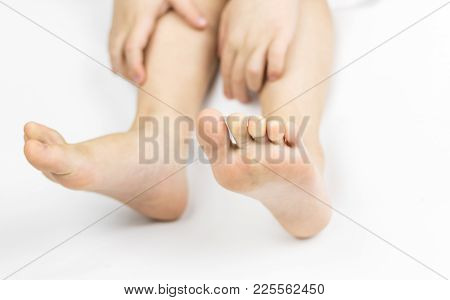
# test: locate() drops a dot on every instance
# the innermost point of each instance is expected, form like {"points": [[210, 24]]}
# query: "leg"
{"points": [[284, 182], [111, 164]]}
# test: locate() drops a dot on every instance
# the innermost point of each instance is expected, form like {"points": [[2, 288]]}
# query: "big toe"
{"points": [[212, 133], [51, 158], [36, 131], [237, 123]]}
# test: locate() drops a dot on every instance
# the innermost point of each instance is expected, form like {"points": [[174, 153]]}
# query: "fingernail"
{"points": [[201, 22]]}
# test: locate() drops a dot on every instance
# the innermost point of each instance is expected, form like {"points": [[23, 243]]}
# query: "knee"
{"points": [[210, 10]]}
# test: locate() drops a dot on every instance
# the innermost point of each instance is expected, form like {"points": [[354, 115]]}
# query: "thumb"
{"points": [[189, 11]]}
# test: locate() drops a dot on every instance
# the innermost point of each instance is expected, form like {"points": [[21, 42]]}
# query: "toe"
{"points": [[47, 157], [291, 134], [257, 127], [42, 133], [212, 134], [276, 130], [237, 123]]}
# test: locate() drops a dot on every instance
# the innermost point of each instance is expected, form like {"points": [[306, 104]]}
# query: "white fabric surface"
{"points": [[385, 131]]}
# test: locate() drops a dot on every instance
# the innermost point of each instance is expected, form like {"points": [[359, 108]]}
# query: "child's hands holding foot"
{"points": [[132, 26], [254, 38]]}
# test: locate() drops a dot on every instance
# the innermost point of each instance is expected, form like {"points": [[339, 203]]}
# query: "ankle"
{"points": [[146, 108], [168, 137], [162, 118], [315, 152]]}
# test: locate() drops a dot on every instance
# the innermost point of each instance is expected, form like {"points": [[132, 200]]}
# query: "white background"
{"points": [[386, 136]]}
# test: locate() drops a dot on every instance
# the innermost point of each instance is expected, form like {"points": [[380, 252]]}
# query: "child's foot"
{"points": [[263, 166], [109, 165]]}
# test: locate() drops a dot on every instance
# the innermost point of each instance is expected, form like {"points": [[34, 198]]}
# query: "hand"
{"points": [[132, 26], [254, 37]]}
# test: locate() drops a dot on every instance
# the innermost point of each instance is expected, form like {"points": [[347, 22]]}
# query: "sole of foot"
{"points": [[265, 162], [109, 165]]}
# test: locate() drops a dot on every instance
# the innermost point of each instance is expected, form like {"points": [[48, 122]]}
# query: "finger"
{"points": [[238, 86], [276, 57], [222, 29], [254, 73], [222, 33], [134, 48], [226, 67], [116, 45], [190, 12]]}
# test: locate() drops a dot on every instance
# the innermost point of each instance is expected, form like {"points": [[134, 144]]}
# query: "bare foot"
{"points": [[263, 165], [109, 165]]}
